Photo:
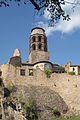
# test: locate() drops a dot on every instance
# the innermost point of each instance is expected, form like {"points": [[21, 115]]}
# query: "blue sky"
{"points": [[15, 29]]}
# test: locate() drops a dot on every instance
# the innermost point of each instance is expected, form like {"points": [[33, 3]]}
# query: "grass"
{"points": [[73, 118]]}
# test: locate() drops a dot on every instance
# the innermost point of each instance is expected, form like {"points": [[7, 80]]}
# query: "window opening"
{"points": [[39, 38], [39, 46], [30, 72], [22, 72], [33, 47], [73, 69], [33, 38], [45, 67], [0, 72], [44, 40], [37, 66], [45, 48]]}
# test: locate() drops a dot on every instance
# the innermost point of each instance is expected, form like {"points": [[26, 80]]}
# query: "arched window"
{"points": [[39, 46], [45, 48], [33, 47], [44, 40], [33, 39], [39, 38], [73, 69]]}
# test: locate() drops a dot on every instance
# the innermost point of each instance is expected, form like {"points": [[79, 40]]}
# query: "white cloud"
{"points": [[64, 26]]}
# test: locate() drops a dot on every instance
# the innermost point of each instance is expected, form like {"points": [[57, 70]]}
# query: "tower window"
{"points": [[44, 40], [39, 38], [33, 47], [0, 72], [39, 46], [45, 48], [33, 39], [22, 72], [73, 69]]}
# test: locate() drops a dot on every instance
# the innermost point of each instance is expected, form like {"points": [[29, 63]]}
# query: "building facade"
{"points": [[38, 58]]}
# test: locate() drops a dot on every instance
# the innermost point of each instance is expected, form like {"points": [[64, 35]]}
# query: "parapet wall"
{"points": [[67, 86]]}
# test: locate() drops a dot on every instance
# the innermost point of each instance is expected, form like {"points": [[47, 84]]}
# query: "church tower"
{"points": [[38, 46]]}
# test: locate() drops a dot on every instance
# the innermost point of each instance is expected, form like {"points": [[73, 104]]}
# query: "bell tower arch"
{"points": [[38, 46], [38, 40]]}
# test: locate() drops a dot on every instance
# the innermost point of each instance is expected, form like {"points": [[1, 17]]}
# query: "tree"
{"points": [[53, 6]]}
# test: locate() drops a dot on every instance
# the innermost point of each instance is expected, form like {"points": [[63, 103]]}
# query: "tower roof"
{"points": [[37, 30]]}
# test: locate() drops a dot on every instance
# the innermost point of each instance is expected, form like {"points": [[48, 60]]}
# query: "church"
{"points": [[38, 59], [38, 53]]}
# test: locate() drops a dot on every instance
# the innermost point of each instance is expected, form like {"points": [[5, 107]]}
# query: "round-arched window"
{"points": [[39, 38], [33, 39], [73, 69], [33, 47], [44, 40], [39, 46]]}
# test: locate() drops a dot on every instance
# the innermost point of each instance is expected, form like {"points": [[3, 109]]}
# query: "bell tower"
{"points": [[38, 46]]}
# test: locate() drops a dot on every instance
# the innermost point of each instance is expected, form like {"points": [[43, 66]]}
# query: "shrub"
{"points": [[31, 74], [48, 73], [56, 112], [30, 109], [71, 73], [65, 71], [78, 73]]}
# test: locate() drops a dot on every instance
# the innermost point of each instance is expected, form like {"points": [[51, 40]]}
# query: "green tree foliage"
{"points": [[53, 6], [30, 108], [48, 73]]}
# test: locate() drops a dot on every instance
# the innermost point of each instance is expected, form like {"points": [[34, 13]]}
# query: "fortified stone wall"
{"points": [[67, 86]]}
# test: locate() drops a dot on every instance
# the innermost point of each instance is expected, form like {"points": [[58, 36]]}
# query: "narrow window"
{"points": [[22, 72], [44, 40], [30, 72], [33, 39], [33, 47], [37, 66], [39, 46], [0, 72], [0, 81], [45, 67], [73, 69], [39, 38], [45, 48]]}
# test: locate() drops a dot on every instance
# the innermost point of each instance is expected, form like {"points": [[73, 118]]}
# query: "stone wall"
{"points": [[43, 66], [36, 56], [67, 86]]}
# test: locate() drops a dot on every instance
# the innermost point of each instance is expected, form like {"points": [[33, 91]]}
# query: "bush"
{"points": [[48, 73], [31, 74], [56, 112], [71, 73], [78, 73], [30, 109]]}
